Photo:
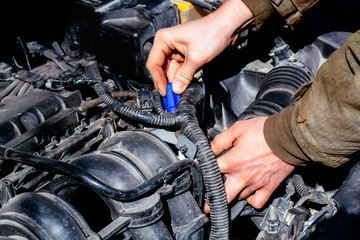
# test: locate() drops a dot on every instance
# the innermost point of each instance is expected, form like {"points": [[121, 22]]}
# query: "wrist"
{"points": [[233, 15]]}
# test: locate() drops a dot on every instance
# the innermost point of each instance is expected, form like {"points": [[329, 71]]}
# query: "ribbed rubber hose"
{"points": [[311, 194], [131, 113], [219, 215], [157, 102], [185, 117], [276, 91]]}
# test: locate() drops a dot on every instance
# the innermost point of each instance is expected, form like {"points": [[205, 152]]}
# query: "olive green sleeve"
{"points": [[290, 10], [324, 124]]}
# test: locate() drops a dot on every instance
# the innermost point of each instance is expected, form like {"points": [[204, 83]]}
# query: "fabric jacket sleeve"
{"points": [[324, 123], [290, 10]]}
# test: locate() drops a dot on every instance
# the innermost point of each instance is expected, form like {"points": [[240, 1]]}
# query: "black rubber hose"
{"points": [[309, 193], [87, 179], [54, 56], [276, 91], [186, 118], [250, 211], [131, 113], [211, 174], [25, 52], [300, 186], [157, 102], [60, 61]]}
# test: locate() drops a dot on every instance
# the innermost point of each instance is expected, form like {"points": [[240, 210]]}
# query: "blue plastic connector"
{"points": [[171, 99]]}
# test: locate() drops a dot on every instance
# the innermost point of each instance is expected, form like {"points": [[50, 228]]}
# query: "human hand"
{"points": [[252, 170], [179, 51]]}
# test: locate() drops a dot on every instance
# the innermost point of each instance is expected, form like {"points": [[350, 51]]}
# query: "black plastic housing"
{"points": [[23, 116], [118, 33]]}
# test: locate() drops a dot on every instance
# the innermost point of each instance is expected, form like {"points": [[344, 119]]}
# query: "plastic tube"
{"points": [[9, 88], [23, 89], [83, 177], [15, 91]]}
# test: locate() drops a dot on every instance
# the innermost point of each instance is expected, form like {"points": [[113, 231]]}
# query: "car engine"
{"points": [[88, 150]]}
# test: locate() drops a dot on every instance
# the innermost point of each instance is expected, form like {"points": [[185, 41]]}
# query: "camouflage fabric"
{"points": [[290, 10], [324, 124]]}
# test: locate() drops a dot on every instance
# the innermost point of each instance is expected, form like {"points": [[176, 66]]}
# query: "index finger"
{"points": [[154, 64], [223, 141]]}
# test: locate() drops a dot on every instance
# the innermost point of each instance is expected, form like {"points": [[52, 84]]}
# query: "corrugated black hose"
{"points": [[211, 174], [276, 91], [311, 194], [157, 102], [185, 117], [131, 113]]}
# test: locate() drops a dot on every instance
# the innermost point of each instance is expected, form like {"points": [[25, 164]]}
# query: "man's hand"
{"points": [[179, 51], [250, 167]]}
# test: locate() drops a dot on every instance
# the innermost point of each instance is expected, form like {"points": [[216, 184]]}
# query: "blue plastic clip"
{"points": [[171, 99]]}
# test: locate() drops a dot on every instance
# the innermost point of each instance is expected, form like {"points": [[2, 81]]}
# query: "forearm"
{"points": [[324, 124]]}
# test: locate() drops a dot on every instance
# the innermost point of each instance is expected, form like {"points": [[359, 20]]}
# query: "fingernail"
{"points": [[178, 87]]}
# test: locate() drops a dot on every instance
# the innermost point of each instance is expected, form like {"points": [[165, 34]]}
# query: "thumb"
{"points": [[183, 77]]}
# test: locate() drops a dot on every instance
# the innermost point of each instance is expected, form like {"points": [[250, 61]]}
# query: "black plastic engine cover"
{"points": [[119, 34], [21, 116]]}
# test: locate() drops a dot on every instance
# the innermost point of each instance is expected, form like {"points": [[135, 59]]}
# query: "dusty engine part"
{"points": [[88, 152]]}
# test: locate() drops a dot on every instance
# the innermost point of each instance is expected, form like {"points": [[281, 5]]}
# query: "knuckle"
{"points": [[149, 66], [160, 33], [257, 204], [196, 60], [184, 75], [216, 142]]}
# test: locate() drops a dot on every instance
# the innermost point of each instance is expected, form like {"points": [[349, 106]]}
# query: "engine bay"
{"points": [[88, 151]]}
